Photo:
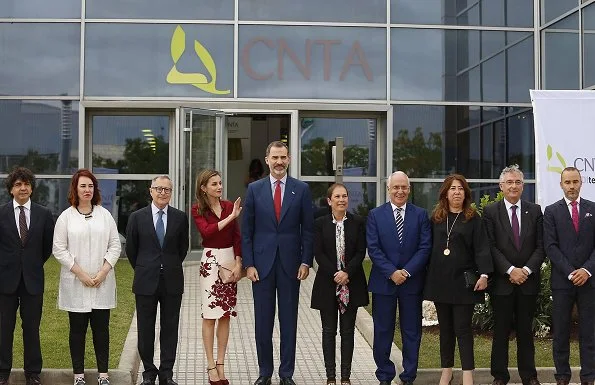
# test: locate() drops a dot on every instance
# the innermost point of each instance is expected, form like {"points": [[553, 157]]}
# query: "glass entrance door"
{"points": [[200, 146]]}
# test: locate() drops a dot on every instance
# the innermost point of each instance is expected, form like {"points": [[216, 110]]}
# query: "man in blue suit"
{"points": [[569, 241], [399, 243], [277, 247]]}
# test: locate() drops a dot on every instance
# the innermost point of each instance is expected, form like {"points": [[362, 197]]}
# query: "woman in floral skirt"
{"points": [[216, 221]]}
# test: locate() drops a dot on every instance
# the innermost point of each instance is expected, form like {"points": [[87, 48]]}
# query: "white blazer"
{"points": [[88, 242]]}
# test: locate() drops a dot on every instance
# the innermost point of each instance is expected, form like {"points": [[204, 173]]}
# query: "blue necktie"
{"points": [[400, 223], [160, 228]]}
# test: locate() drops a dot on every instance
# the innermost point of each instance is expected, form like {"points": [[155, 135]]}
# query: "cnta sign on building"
{"points": [[284, 55]]}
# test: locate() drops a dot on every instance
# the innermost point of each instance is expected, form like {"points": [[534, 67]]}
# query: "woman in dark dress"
{"points": [[340, 283], [215, 219], [460, 244]]}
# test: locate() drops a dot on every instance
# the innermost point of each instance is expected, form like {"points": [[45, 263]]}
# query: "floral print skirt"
{"points": [[218, 298]]}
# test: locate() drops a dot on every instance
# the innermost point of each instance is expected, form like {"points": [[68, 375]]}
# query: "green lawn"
{"points": [[430, 354], [54, 322]]}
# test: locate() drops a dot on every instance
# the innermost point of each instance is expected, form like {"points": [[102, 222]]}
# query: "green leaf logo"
{"points": [[562, 162]]}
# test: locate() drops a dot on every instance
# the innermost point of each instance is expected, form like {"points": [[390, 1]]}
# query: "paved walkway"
{"points": [[241, 363]]}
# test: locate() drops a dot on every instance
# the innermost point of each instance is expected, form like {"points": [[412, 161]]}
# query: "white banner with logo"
{"points": [[564, 137]]}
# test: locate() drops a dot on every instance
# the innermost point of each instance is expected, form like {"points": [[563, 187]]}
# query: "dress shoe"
{"points": [[33, 380], [286, 381], [562, 382], [167, 381], [406, 382], [263, 380], [384, 382], [498, 382], [148, 381], [532, 381], [587, 382]]}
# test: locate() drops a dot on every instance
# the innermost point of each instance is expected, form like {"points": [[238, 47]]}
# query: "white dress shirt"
{"points": [[273, 186], [155, 211]]}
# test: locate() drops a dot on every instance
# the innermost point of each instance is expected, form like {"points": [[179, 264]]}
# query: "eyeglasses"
{"points": [[397, 188], [160, 189], [513, 182]]}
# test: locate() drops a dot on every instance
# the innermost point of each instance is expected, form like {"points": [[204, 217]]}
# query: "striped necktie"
{"points": [[400, 223]]}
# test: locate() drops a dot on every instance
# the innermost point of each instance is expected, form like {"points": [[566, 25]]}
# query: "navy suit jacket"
{"points": [[27, 261], [388, 255], [566, 249], [262, 235]]}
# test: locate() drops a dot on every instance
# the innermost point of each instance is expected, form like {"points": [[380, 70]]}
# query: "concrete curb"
{"points": [[365, 325], [130, 359], [64, 377], [483, 376]]}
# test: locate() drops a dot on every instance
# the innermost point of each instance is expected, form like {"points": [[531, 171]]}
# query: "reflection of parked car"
{"points": [[123, 243]]}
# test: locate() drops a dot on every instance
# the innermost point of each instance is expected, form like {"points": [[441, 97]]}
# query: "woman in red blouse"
{"points": [[216, 221]]}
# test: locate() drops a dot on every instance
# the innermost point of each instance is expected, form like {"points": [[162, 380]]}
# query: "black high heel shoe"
{"points": [[222, 381], [211, 382]]}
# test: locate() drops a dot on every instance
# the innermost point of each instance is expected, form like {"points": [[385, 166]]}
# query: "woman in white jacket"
{"points": [[87, 244]]}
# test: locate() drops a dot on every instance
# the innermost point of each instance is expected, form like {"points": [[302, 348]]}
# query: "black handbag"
{"points": [[471, 278]]}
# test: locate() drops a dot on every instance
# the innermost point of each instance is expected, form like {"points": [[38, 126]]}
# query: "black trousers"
{"points": [[146, 314], [513, 312], [79, 322], [30, 309], [563, 301], [346, 320], [455, 324]]}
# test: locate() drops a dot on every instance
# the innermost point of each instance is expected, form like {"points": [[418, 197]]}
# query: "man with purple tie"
{"points": [[569, 241], [515, 233], [26, 235]]}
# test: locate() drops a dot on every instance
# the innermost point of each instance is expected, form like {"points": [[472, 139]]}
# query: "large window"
{"points": [[589, 46], [39, 59], [158, 60], [39, 134], [369, 11], [312, 62], [318, 136], [461, 65], [478, 142], [131, 144], [560, 46], [493, 13], [63, 9], [158, 9]]}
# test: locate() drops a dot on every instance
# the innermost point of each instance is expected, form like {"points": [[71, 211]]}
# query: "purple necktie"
{"points": [[575, 215], [516, 234]]}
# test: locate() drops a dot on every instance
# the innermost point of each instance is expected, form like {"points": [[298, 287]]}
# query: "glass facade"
{"points": [[454, 74]]}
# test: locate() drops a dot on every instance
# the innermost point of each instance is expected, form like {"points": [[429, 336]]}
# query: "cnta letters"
{"points": [[356, 57]]}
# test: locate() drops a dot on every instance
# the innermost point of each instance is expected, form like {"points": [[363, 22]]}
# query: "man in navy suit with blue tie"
{"points": [[569, 241], [399, 243], [277, 247]]}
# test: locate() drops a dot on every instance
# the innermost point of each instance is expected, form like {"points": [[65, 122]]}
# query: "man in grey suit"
{"points": [[26, 233], [569, 240], [515, 233], [156, 245]]}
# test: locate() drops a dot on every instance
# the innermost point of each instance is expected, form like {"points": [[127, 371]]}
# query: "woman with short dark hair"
{"points": [[340, 283]]}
